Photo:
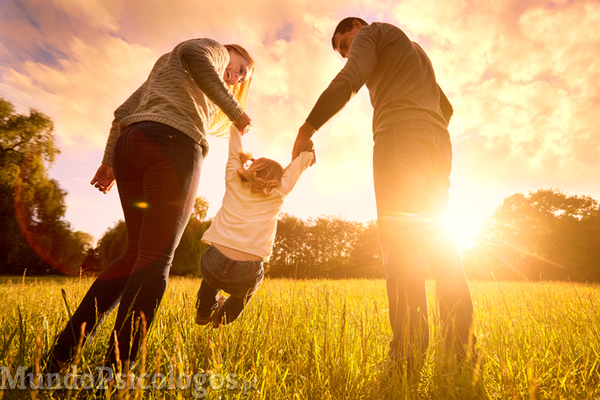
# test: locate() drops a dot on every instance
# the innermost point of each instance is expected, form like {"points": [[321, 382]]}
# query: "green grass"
{"points": [[326, 339]]}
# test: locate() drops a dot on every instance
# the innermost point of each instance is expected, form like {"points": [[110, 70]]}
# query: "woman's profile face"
{"points": [[238, 70]]}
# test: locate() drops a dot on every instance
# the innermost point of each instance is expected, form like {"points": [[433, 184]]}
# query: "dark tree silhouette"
{"points": [[543, 235], [34, 235]]}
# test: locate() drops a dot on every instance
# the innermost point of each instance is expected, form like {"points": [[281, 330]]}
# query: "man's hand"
{"points": [[304, 134], [104, 178], [311, 147], [243, 123]]}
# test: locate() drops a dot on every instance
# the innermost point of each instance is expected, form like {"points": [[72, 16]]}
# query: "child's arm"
{"points": [[235, 146], [297, 167]]}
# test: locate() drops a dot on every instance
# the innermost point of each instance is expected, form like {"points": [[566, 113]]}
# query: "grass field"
{"points": [[323, 339]]}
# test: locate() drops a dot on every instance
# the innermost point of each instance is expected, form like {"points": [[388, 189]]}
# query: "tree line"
{"points": [[34, 236], [544, 234]]}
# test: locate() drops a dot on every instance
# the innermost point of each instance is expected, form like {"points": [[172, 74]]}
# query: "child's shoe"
{"points": [[200, 318], [216, 320]]}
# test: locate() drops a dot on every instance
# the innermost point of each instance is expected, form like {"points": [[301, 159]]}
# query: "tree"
{"points": [[543, 235], [366, 254], [35, 237], [112, 244], [187, 256], [325, 247], [200, 208], [288, 247]]}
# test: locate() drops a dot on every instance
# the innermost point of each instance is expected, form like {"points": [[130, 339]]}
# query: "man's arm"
{"points": [[362, 58]]}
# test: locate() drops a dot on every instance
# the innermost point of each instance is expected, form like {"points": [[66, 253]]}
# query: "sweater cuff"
{"points": [[235, 113], [314, 122], [107, 159]]}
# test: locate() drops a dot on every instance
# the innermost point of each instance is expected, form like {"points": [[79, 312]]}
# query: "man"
{"points": [[412, 159]]}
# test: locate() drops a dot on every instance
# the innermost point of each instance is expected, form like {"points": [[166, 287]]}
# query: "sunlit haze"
{"points": [[523, 77]]}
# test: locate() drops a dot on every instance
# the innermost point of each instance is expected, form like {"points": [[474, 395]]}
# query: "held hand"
{"points": [[311, 147], [104, 178], [243, 123], [304, 134]]}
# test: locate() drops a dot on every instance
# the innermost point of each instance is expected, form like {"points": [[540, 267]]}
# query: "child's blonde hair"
{"points": [[262, 175], [221, 123]]}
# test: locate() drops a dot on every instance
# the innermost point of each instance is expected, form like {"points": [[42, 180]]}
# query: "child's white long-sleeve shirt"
{"points": [[247, 221]]}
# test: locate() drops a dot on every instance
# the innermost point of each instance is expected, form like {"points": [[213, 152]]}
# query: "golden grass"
{"points": [[324, 339]]}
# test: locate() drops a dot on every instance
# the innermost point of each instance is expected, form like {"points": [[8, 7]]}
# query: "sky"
{"points": [[523, 77]]}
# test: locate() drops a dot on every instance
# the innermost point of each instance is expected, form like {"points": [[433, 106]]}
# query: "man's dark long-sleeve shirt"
{"points": [[398, 74]]}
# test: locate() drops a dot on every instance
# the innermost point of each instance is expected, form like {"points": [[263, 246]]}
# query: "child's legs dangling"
{"points": [[233, 307], [206, 302], [241, 279]]}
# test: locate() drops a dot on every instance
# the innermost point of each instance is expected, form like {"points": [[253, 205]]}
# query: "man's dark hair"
{"points": [[345, 25]]}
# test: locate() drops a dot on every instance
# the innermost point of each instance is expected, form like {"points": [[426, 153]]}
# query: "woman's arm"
{"points": [[199, 58]]}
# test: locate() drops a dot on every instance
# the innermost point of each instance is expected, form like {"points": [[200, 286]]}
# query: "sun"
{"points": [[464, 226]]}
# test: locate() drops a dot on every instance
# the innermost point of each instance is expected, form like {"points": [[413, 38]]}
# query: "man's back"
{"points": [[402, 83], [398, 74]]}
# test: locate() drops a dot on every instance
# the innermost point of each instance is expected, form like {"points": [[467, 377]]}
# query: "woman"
{"points": [[155, 149]]}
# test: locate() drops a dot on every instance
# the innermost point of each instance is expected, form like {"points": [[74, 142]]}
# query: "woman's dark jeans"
{"points": [[241, 279], [411, 168], [157, 169]]}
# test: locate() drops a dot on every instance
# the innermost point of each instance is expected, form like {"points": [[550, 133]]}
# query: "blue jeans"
{"points": [[157, 169], [241, 279], [411, 167]]}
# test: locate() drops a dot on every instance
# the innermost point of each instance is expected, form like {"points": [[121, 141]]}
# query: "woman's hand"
{"points": [[243, 123], [104, 178]]}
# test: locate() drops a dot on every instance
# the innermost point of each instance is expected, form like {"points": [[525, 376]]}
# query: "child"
{"points": [[242, 233]]}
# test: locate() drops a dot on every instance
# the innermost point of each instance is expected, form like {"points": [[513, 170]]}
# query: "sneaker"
{"points": [[200, 318], [216, 320]]}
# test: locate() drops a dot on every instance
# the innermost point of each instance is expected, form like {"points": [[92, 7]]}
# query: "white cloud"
{"points": [[81, 94], [523, 77]]}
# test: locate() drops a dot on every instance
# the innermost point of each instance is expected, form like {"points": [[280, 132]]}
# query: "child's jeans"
{"points": [[241, 279]]}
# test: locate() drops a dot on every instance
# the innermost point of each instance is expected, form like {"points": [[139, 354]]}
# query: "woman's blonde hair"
{"points": [[262, 175], [221, 123]]}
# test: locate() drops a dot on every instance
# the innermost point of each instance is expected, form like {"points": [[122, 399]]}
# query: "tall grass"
{"points": [[326, 339]]}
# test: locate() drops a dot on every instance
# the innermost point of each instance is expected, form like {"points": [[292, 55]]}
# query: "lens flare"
{"points": [[39, 243], [141, 204]]}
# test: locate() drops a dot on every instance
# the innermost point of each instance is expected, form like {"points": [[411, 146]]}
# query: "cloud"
{"points": [[523, 76], [81, 94]]}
